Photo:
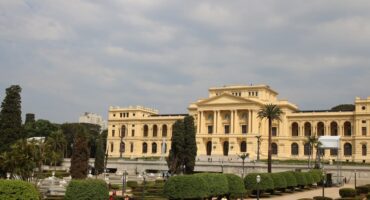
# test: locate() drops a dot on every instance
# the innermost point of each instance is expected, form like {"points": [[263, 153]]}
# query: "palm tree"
{"points": [[270, 112], [243, 157], [314, 143]]}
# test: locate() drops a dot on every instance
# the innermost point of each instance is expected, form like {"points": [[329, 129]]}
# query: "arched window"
{"points": [[145, 147], [226, 148], [274, 149], [307, 129], [164, 148], [123, 131], [243, 146], [111, 147], [154, 147], [320, 129], [209, 148], [146, 129], [364, 150], [333, 129], [295, 129], [347, 128], [155, 130], [294, 149], [306, 149], [347, 149], [164, 130], [122, 147]]}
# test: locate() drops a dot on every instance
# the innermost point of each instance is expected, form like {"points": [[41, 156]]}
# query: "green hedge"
{"points": [[186, 187], [132, 184], [347, 192], [217, 183], [279, 181], [290, 179], [88, 189], [363, 189], [266, 183], [309, 178], [301, 179], [235, 184], [18, 190], [316, 174], [322, 198]]}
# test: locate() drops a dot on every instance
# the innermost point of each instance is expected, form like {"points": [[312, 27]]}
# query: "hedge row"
{"points": [[88, 189], [203, 185], [281, 180], [16, 189]]}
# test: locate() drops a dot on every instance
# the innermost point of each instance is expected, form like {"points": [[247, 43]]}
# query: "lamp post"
{"points": [[355, 179], [323, 184], [144, 177], [258, 180], [258, 146]]}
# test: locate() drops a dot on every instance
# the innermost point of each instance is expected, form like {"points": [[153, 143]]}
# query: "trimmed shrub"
{"points": [[186, 187], [363, 189], [217, 183], [132, 184], [290, 179], [309, 178], [347, 192], [368, 196], [114, 186], [17, 189], [316, 174], [322, 198], [88, 189], [279, 181], [266, 183], [235, 184], [301, 179]]}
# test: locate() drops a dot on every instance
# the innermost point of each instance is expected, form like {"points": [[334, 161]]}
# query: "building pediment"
{"points": [[227, 99]]}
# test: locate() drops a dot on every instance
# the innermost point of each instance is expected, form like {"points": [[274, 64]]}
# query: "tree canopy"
{"points": [[343, 107]]}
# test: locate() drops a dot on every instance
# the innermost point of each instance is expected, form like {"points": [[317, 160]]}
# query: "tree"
{"points": [[10, 118], [40, 128], [343, 107], [270, 112], [176, 154], [80, 155], [99, 155], [190, 150], [55, 147], [314, 143], [243, 157]]}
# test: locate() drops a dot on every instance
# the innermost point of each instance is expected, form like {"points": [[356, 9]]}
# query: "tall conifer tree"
{"points": [[10, 118], [80, 155], [176, 154], [190, 144]]}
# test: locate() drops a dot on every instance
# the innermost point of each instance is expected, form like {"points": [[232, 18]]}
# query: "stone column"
{"points": [[237, 125], [219, 122], [198, 122], [214, 122], [250, 122], [231, 121]]}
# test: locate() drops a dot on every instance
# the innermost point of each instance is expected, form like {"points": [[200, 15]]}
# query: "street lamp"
{"points": [[258, 146], [323, 184], [258, 179]]}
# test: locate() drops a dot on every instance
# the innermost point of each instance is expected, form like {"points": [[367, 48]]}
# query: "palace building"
{"points": [[227, 125]]}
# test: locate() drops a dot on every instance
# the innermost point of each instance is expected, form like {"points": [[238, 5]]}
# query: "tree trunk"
{"points": [[269, 147]]}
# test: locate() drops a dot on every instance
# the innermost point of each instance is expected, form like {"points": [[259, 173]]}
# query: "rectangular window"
{"points": [[120, 115], [227, 129], [210, 129], [244, 129], [132, 147], [132, 132], [274, 131], [333, 152], [364, 131], [113, 132]]}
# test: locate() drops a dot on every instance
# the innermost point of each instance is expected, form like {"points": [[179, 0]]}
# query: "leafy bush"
{"points": [[235, 184], [347, 192], [301, 179], [114, 186], [16, 189], [316, 174], [368, 196], [279, 181], [132, 184], [363, 189], [290, 179], [217, 183], [322, 198], [266, 183], [88, 189], [309, 178], [186, 187]]}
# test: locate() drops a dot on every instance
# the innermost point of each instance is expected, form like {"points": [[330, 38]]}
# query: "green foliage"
{"points": [[309, 178], [132, 184], [55, 145], [30, 118], [40, 128], [217, 183], [266, 183], [279, 181], [343, 107], [290, 179], [99, 155], [186, 187], [17, 190], [368, 196], [235, 184], [301, 179], [316, 175], [190, 151], [322, 198], [347, 192], [10, 118], [80, 156], [89, 189], [176, 153], [363, 189]]}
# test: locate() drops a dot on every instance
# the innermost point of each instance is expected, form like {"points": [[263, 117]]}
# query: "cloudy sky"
{"points": [[75, 56]]}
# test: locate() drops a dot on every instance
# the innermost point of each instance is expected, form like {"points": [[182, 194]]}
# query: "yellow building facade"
{"points": [[227, 125]]}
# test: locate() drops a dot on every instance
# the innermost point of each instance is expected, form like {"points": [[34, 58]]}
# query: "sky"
{"points": [[75, 56]]}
